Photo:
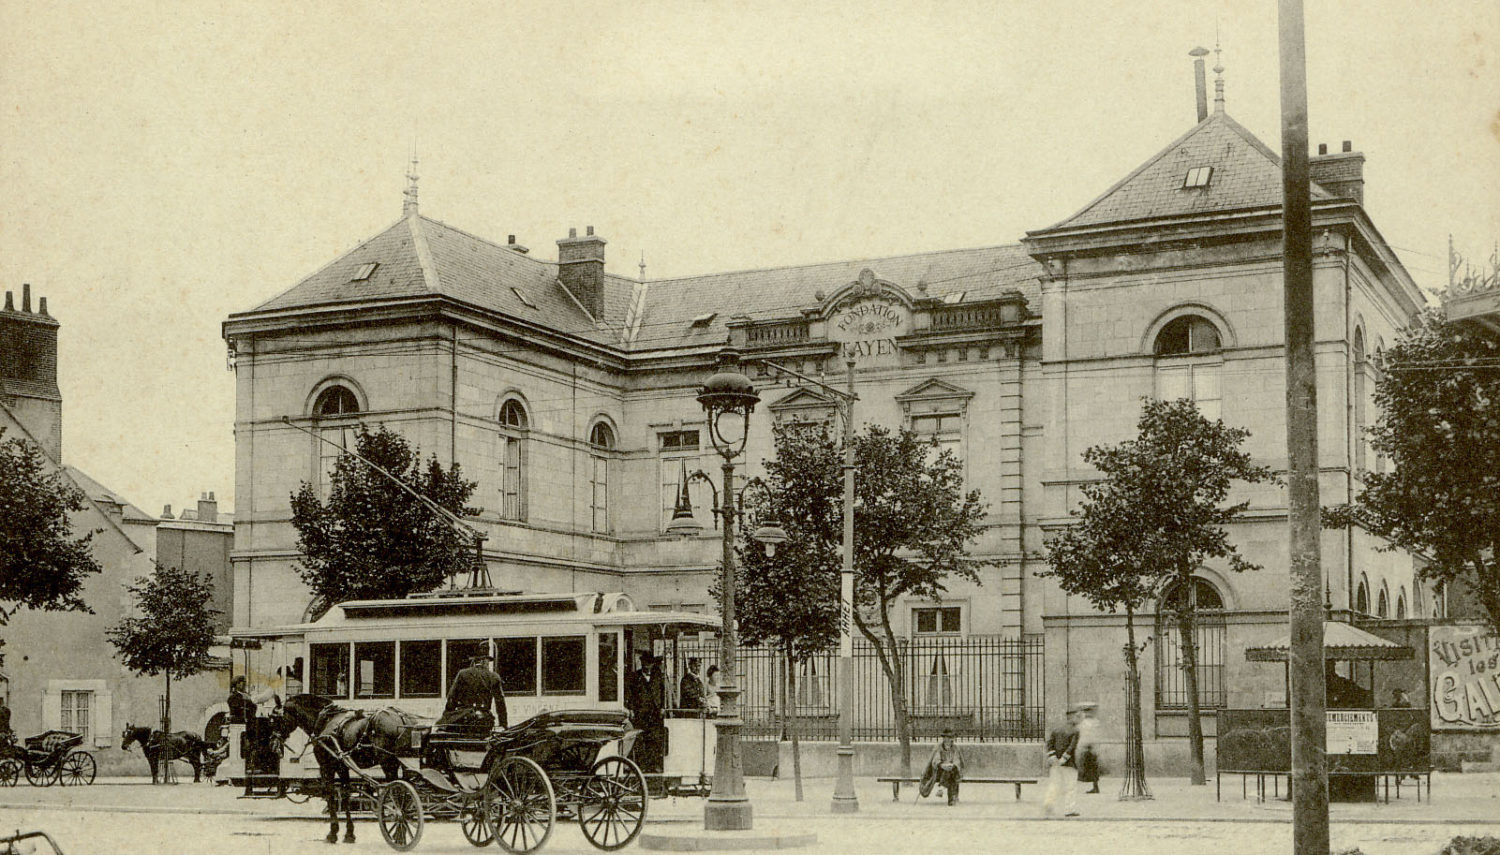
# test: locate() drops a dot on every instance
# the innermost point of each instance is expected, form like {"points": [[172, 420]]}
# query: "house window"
{"points": [[1401, 604], [679, 451], [1209, 638], [334, 404], [1362, 596], [513, 426], [602, 441], [942, 620], [946, 429], [937, 675], [1382, 603], [1358, 392], [77, 713], [1188, 363]]}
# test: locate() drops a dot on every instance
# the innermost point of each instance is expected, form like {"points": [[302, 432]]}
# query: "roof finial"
{"points": [[643, 265], [1218, 77], [409, 203]]}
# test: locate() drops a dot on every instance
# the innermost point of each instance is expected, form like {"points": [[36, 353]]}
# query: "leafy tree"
{"points": [[42, 565], [1157, 516], [1439, 399], [374, 540], [789, 601], [173, 629], [913, 523]]}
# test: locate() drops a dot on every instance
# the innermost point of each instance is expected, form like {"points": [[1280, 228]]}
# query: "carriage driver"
{"points": [[470, 696]]}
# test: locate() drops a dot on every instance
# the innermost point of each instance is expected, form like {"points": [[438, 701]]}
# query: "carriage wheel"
{"points": [[399, 811], [42, 774], [78, 769], [612, 807], [10, 772], [474, 818], [520, 805]]}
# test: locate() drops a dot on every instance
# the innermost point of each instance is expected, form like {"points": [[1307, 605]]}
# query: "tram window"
{"points": [[515, 659], [609, 667], [421, 669], [330, 670], [375, 669], [460, 651], [563, 668]]}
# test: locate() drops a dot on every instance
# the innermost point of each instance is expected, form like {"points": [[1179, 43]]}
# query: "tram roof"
{"points": [[594, 608]]}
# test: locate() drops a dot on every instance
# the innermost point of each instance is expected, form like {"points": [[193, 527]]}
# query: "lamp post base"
{"points": [[727, 815], [845, 800]]}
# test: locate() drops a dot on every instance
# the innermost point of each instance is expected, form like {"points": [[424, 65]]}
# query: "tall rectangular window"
{"points": [[421, 669], [77, 713], [375, 669], [564, 670], [333, 442], [513, 499], [679, 450], [330, 670], [1198, 382], [599, 503], [515, 661]]}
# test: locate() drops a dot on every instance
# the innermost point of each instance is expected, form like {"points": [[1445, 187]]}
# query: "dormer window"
{"points": [[955, 297], [704, 320], [364, 272], [525, 300], [1198, 176]]}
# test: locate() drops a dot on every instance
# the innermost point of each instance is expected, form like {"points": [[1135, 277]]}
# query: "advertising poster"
{"points": [[1464, 662], [1352, 732]]}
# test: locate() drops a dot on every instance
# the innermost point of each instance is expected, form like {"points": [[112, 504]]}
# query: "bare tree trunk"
{"points": [[1134, 786], [1188, 634], [890, 664], [791, 722]]}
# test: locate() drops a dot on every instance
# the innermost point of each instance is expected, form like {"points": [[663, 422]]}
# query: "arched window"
{"points": [[513, 426], [602, 443], [1360, 394], [1188, 363], [1401, 603], [337, 412], [1382, 603], [1208, 620], [1362, 596]]}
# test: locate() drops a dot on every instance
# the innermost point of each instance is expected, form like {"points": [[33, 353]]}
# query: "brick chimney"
{"points": [[208, 508], [1342, 173], [580, 268], [28, 370]]}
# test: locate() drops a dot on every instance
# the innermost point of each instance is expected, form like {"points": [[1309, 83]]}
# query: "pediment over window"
{"points": [[934, 395], [803, 406]]}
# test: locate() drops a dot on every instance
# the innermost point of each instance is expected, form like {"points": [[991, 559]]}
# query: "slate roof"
{"points": [[672, 304], [1246, 174], [419, 256], [104, 496]]}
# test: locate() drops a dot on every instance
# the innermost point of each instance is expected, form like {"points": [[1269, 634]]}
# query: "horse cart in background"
{"points": [[46, 759]]}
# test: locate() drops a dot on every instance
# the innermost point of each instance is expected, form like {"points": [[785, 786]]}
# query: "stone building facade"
{"points": [[567, 392]]}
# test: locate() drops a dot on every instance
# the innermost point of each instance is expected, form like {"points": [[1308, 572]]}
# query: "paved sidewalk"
{"points": [[1472, 798]]}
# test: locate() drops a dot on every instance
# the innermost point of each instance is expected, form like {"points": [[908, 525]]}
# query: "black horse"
{"points": [[340, 737], [158, 746]]}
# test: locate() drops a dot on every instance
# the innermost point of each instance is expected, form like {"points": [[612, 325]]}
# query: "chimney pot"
{"points": [[1322, 148], [10, 301], [26, 296], [590, 231], [211, 496], [166, 512], [41, 305], [1348, 146], [572, 233], [510, 239]]}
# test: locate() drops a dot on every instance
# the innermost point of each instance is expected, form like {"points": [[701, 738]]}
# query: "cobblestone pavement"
{"points": [[134, 817]]}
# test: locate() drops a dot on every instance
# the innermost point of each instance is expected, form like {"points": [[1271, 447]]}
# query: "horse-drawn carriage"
{"points": [[563, 661], [46, 759]]}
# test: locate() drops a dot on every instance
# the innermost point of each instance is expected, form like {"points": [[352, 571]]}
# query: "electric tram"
{"points": [[553, 652]]}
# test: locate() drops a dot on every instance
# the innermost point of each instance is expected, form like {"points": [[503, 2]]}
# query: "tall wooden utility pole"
{"points": [[1309, 763]]}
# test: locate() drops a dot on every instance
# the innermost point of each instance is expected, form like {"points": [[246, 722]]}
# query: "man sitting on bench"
{"points": [[945, 768]]}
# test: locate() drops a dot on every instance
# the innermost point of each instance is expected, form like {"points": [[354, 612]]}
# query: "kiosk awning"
{"points": [[1340, 641]]}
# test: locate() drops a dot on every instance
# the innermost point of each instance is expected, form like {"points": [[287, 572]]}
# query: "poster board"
{"points": [[1261, 741], [1464, 664]]}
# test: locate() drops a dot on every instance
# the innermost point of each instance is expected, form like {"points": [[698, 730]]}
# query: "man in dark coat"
{"points": [[474, 690], [690, 688], [5, 735], [647, 699]]}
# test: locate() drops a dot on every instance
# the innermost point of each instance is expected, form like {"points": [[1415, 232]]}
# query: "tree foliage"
{"points": [[373, 540], [1156, 516], [42, 564], [913, 524], [1439, 428], [174, 625]]}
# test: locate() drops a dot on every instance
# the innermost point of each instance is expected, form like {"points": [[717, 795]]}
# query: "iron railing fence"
{"points": [[984, 688]]}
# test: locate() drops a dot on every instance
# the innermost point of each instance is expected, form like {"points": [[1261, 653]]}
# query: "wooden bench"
{"points": [[896, 783]]}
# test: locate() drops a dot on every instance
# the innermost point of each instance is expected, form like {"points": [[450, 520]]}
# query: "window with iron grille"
{"points": [[1209, 632]]}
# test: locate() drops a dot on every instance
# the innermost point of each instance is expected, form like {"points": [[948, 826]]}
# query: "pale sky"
{"points": [[166, 164]]}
